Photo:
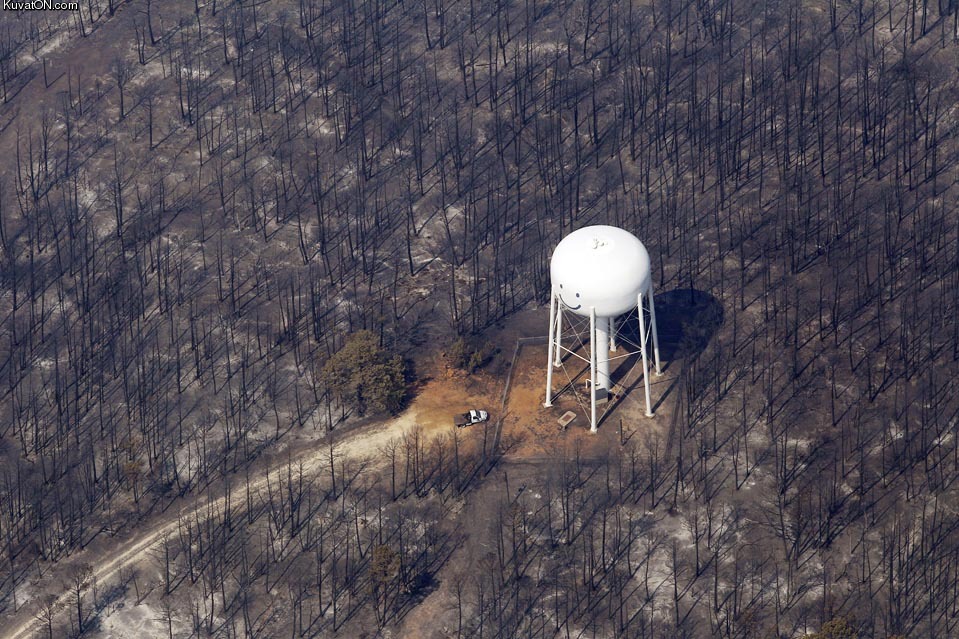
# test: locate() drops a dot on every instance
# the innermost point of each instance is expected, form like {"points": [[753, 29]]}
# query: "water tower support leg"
{"points": [[642, 349], [652, 321], [553, 302], [612, 334], [592, 369]]}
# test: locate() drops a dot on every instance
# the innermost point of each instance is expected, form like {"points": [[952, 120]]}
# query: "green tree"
{"points": [[469, 354], [837, 628], [366, 375]]}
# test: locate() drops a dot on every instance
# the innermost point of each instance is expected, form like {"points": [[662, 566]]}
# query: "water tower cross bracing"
{"points": [[601, 273]]}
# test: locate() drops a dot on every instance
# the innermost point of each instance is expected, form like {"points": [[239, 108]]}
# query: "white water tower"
{"points": [[600, 273]]}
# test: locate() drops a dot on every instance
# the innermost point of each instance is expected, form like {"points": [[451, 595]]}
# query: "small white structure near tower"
{"points": [[601, 273]]}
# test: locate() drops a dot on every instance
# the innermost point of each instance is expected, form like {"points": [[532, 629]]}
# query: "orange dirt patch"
{"points": [[449, 393], [532, 430]]}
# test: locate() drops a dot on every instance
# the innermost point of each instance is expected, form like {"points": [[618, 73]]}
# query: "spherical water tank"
{"points": [[602, 267]]}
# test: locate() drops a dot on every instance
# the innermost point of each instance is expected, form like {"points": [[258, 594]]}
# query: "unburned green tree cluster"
{"points": [[366, 375], [469, 355]]}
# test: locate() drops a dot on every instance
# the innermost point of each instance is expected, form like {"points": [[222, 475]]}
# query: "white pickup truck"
{"points": [[470, 418]]}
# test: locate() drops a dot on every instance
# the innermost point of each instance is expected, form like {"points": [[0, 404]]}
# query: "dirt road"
{"points": [[356, 446]]}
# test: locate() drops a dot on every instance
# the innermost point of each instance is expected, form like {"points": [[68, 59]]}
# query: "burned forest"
{"points": [[255, 255]]}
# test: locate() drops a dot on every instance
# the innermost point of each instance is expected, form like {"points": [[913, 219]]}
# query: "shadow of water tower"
{"points": [[688, 319]]}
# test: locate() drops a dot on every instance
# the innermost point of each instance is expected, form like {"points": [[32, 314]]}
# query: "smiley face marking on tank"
{"points": [[566, 304]]}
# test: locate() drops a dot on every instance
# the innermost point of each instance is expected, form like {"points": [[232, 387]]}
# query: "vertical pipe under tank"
{"points": [[601, 348]]}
